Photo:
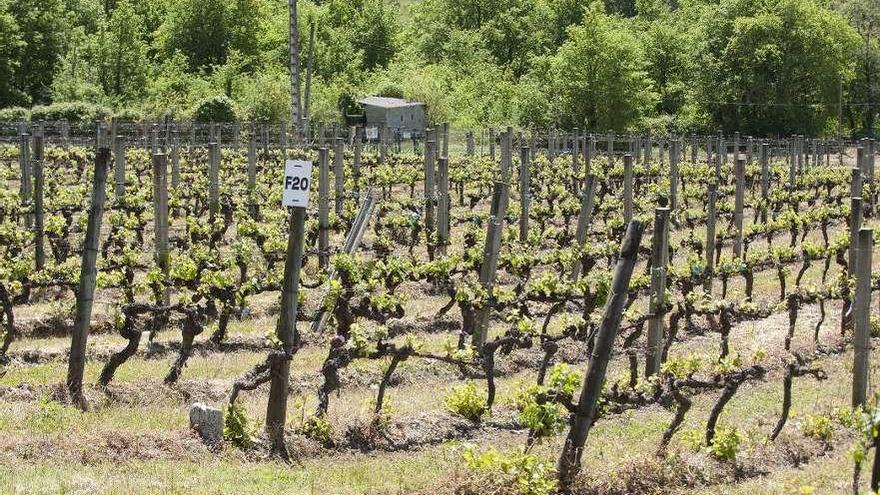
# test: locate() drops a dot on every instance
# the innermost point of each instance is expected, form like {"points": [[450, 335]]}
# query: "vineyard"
{"points": [[512, 312]]}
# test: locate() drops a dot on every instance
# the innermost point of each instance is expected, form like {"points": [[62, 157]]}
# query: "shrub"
{"points": [[12, 114], [128, 115], [318, 428], [509, 473], [465, 401], [725, 443], [215, 109], [235, 426], [73, 111], [818, 427]]}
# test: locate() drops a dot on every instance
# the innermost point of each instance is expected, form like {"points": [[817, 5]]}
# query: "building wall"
{"points": [[402, 118]]}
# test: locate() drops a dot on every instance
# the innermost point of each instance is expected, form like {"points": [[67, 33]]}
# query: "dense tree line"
{"points": [[765, 67]]}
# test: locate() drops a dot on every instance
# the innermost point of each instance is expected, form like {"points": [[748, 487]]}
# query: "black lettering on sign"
{"points": [[296, 183]]}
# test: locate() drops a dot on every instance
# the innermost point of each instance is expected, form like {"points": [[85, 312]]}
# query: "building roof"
{"points": [[383, 102]]}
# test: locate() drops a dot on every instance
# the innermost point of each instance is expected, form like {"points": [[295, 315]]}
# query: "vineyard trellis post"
{"points": [[575, 164], [627, 188], [861, 317], [39, 217], [430, 149], [87, 281], [738, 206], [252, 162], [356, 163], [489, 266], [339, 176], [611, 150], [175, 158], [586, 409], [213, 181], [323, 209], [659, 247], [585, 218], [694, 149], [765, 180], [236, 136], [492, 144], [160, 222], [282, 141], [674, 157], [276, 409], [119, 167], [524, 194], [443, 203], [710, 236], [24, 160]]}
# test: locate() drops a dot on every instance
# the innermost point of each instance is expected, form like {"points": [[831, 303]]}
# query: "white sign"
{"points": [[372, 133], [297, 179]]}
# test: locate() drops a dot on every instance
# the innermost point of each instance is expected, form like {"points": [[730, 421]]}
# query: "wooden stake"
{"points": [[862, 317], [657, 303], [584, 220], [586, 412], [87, 280], [323, 209]]}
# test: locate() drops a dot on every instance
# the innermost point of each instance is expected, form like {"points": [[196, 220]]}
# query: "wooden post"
{"points": [[739, 204], [356, 164], [524, 194], [627, 188], [252, 162], [87, 280], [710, 237], [674, 152], [443, 203], [323, 209], [694, 149], [339, 176], [213, 181], [430, 151], [490, 261], [589, 150], [444, 127], [276, 409], [584, 220], [175, 159], [160, 218], [862, 317], [506, 154], [611, 150], [657, 303], [25, 189], [282, 141], [236, 136], [586, 412], [575, 165], [39, 218], [492, 144], [855, 225]]}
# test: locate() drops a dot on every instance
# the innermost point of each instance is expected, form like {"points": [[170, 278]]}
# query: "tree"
{"points": [[10, 51], [599, 78], [122, 54], [41, 27], [864, 16], [775, 66], [198, 30]]}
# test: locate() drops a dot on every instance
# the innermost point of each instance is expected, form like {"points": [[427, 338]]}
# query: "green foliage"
{"points": [[51, 416], [599, 75], [725, 443], [819, 427], [318, 428], [235, 426], [465, 401], [518, 472], [215, 109], [12, 114], [74, 111]]}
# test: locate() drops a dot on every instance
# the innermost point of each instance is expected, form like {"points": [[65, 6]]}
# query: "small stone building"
{"points": [[399, 115]]}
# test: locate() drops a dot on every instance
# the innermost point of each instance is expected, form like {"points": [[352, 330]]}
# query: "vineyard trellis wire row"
{"points": [[219, 241]]}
